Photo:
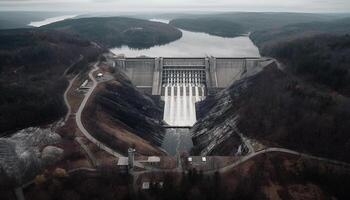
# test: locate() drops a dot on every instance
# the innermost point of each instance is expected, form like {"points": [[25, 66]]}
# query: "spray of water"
{"points": [[179, 109]]}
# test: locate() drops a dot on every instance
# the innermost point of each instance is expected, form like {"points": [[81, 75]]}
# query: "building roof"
{"points": [[150, 159], [145, 185], [122, 161], [153, 159]]}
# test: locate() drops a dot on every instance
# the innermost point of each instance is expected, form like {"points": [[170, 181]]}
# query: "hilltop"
{"points": [[118, 31], [238, 23], [216, 27], [265, 39]]}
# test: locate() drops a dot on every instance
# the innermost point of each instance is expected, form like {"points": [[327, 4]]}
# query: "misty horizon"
{"points": [[314, 6]]}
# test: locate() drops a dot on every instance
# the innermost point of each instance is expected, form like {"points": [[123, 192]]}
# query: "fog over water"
{"points": [[50, 20], [193, 44]]}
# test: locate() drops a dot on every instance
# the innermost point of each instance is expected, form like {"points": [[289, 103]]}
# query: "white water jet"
{"points": [[166, 106], [192, 116], [184, 105], [197, 93], [171, 106], [203, 93], [179, 109]]}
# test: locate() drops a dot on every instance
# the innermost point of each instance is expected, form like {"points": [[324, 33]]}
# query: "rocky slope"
{"points": [[123, 117], [278, 109], [215, 132], [26, 153]]}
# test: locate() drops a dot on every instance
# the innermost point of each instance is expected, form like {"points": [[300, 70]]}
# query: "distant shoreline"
{"points": [[50, 20]]}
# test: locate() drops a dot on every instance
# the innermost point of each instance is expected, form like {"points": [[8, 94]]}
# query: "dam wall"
{"points": [[150, 75]]}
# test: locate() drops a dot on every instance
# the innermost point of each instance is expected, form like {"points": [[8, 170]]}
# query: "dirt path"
{"points": [[65, 96]]}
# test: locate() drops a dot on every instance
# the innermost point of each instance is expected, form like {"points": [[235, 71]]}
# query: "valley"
{"points": [[169, 121]]}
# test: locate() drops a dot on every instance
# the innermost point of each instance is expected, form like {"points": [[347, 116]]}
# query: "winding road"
{"points": [[278, 150], [79, 113]]}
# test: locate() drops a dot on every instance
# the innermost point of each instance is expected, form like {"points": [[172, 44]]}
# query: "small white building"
{"points": [[145, 185], [84, 85], [189, 159], [152, 160], [99, 75], [122, 161], [123, 164]]}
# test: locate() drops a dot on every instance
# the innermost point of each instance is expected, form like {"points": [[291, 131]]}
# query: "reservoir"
{"points": [[195, 44]]}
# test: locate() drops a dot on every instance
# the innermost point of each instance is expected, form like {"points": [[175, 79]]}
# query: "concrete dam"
{"points": [[182, 82]]}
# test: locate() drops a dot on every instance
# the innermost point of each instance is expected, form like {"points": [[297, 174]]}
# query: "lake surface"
{"points": [[50, 20], [193, 44]]}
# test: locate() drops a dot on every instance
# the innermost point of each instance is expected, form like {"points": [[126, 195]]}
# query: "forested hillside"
{"points": [[32, 81], [317, 51], [118, 31], [324, 59], [237, 23], [265, 38], [217, 27]]}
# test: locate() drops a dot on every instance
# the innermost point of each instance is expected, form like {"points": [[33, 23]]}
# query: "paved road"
{"points": [[81, 108], [81, 126], [280, 150]]}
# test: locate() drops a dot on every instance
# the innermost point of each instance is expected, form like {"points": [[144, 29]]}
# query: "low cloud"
{"points": [[174, 5]]}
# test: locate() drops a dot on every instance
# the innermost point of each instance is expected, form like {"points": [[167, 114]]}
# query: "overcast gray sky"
{"points": [[179, 5]]}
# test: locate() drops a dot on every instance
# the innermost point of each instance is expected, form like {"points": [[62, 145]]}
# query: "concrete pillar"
{"points": [[244, 67], [212, 75], [120, 63], [207, 71], [131, 157], [160, 76], [157, 77]]}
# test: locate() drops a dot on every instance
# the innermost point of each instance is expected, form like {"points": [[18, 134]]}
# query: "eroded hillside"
{"points": [[122, 117], [278, 109]]}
